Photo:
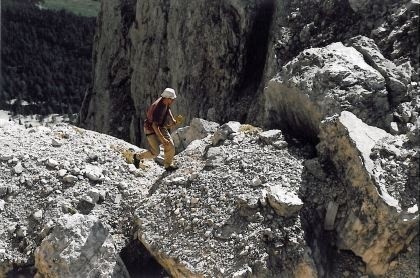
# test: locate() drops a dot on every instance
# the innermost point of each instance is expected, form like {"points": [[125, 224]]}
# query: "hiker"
{"points": [[158, 119]]}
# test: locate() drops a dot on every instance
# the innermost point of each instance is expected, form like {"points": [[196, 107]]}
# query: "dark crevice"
{"points": [[139, 262], [295, 127], [23, 271], [256, 49]]}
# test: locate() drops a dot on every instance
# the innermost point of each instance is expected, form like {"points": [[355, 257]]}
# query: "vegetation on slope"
{"points": [[88, 8], [46, 59]]}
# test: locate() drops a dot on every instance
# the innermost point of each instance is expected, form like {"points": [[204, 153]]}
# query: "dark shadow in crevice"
{"points": [[23, 271], [139, 262], [330, 261]]}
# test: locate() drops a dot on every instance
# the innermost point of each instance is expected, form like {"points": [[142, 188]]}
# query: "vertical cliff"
{"points": [[212, 52]]}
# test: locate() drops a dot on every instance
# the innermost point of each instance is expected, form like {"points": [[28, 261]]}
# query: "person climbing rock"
{"points": [[159, 119]]}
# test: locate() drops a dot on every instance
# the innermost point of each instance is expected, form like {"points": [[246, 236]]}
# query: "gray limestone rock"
{"points": [[51, 163], [18, 169], [39, 195], [94, 173], [284, 203], [224, 131], [271, 136], [320, 82], [231, 127], [198, 129], [5, 156], [56, 142], [180, 139], [79, 246], [396, 79], [377, 223], [330, 216], [70, 179]]}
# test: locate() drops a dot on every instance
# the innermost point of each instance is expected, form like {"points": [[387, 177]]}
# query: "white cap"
{"points": [[169, 93]]}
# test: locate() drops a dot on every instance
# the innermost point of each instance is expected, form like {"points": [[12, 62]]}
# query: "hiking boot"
{"points": [[136, 161], [171, 168]]}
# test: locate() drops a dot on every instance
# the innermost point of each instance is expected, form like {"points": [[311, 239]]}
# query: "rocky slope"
{"points": [[48, 176], [244, 203], [342, 201], [221, 65]]}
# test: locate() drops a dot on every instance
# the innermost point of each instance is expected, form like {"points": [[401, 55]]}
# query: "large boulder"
{"points": [[320, 82], [198, 129], [79, 246], [381, 175]]}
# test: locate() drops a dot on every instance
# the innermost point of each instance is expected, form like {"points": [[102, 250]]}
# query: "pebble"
{"points": [[18, 169], [95, 194], [62, 172], [94, 173], [38, 215], [70, 179], [3, 191], [208, 234], [56, 143], [52, 163], [21, 232], [6, 157], [256, 182]]}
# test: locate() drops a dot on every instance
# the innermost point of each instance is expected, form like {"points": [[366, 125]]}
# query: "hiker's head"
{"points": [[169, 96]]}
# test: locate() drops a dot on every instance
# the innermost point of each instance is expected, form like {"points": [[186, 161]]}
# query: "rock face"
{"points": [[379, 220], [79, 246], [220, 66], [225, 63]]}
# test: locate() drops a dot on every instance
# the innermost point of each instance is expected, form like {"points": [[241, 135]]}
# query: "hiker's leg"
{"points": [[168, 149], [153, 148]]}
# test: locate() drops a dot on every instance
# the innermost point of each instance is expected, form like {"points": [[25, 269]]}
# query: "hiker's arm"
{"points": [[172, 120]]}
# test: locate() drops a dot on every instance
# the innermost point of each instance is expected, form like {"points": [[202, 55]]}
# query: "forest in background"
{"points": [[45, 59]]}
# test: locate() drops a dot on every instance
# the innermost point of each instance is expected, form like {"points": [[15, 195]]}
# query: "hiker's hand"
{"points": [[179, 119]]}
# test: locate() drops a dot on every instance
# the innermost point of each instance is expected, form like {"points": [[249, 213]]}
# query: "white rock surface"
{"points": [[320, 82], [41, 195], [94, 173], [372, 167], [284, 203], [218, 214], [79, 246]]}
